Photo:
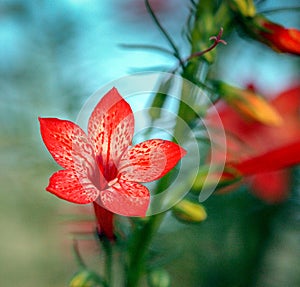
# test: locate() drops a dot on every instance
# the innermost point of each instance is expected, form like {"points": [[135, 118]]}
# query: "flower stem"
{"points": [[107, 246], [142, 237], [144, 231]]}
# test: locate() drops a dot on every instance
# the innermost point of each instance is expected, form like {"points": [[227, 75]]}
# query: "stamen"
{"points": [[112, 182]]}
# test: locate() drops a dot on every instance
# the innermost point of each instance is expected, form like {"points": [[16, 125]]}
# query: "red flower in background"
{"points": [[100, 167], [133, 11], [279, 38], [261, 152]]}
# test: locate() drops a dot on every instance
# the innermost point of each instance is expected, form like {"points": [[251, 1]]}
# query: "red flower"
{"points": [[261, 152], [279, 38], [100, 167]]}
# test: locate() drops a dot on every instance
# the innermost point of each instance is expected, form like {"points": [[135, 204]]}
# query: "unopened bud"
{"points": [[250, 105], [85, 278], [244, 7], [159, 278], [188, 211]]}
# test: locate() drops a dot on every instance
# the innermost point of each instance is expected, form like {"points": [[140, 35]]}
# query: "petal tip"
{"points": [[42, 120], [113, 92], [66, 185], [183, 151]]}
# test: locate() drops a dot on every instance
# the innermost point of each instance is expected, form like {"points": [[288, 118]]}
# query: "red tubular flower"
{"points": [[100, 167], [260, 152], [279, 38]]}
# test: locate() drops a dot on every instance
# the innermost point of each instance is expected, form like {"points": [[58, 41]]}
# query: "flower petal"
{"points": [[69, 145], [126, 198], [288, 102], [110, 129], [149, 160], [272, 187], [270, 161], [67, 185]]}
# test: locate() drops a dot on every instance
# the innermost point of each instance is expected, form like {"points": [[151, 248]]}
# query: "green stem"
{"points": [[144, 232], [108, 260], [142, 237]]}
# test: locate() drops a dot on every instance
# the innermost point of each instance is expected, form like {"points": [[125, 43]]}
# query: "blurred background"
{"points": [[53, 56]]}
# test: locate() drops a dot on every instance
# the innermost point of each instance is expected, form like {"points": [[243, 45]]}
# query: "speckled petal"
{"points": [[126, 198], [67, 185], [69, 145], [110, 129], [149, 160]]}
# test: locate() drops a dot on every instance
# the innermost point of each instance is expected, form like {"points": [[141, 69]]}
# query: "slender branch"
{"points": [[77, 254], [148, 47], [278, 10], [165, 33]]}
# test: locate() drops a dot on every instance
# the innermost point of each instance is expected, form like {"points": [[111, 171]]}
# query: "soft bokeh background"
{"points": [[53, 56]]}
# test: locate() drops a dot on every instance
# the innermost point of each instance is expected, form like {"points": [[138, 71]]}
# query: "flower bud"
{"points": [[279, 38], [188, 211], [250, 105], [244, 7], [85, 278], [159, 278]]}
